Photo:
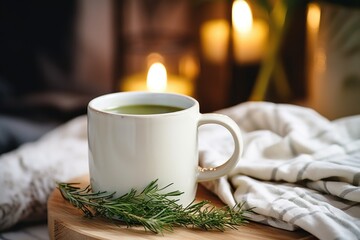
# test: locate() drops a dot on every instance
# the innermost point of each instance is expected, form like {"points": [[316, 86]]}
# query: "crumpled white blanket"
{"points": [[29, 174], [298, 169]]}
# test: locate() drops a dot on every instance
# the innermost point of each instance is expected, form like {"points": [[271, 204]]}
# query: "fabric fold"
{"points": [[298, 168], [29, 174]]}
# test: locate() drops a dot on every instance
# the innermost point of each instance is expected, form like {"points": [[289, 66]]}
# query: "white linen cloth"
{"points": [[29, 174], [298, 169]]}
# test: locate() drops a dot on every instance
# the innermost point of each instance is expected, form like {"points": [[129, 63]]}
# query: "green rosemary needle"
{"points": [[153, 209]]}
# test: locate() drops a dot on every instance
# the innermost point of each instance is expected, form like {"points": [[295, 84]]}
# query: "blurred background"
{"points": [[56, 56]]}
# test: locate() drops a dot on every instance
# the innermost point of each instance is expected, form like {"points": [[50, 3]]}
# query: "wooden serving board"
{"points": [[67, 222]]}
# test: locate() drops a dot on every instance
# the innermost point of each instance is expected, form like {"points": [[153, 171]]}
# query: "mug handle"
{"points": [[206, 174]]}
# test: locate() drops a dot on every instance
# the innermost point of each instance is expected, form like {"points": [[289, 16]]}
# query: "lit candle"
{"points": [[312, 25], [214, 37], [157, 80], [249, 35], [316, 60], [189, 66]]}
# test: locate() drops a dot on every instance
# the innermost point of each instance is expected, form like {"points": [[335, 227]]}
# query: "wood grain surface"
{"points": [[67, 222]]}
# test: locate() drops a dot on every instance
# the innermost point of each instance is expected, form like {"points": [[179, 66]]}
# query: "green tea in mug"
{"points": [[143, 109]]}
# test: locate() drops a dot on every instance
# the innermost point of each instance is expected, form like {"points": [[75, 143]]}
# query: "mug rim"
{"points": [[193, 101]]}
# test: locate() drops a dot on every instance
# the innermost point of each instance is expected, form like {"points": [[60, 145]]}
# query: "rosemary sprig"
{"points": [[153, 209]]}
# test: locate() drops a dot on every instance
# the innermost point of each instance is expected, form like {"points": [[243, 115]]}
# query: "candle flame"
{"points": [[157, 78], [242, 18], [313, 16]]}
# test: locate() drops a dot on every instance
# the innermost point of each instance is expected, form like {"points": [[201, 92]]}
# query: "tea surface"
{"points": [[144, 109]]}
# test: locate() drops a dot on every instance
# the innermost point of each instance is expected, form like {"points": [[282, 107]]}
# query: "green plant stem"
{"points": [[279, 20], [280, 80], [154, 210]]}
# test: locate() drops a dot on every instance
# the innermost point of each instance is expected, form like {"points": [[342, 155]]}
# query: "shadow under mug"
{"points": [[130, 150]]}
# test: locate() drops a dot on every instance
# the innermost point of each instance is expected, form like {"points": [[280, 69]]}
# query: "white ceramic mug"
{"points": [[129, 151]]}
